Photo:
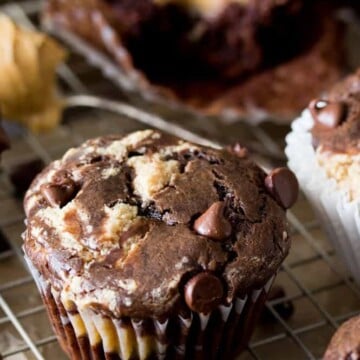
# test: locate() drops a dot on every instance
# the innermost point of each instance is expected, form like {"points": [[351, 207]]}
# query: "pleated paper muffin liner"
{"points": [[85, 334], [339, 217]]}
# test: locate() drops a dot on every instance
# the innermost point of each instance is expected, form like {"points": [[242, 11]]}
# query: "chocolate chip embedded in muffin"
{"points": [[59, 193], [283, 185], [204, 292], [327, 114], [345, 344], [212, 223]]}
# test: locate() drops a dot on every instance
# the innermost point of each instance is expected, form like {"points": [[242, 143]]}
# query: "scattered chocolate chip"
{"points": [[24, 173], [204, 292], [212, 223], [327, 114], [59, 194], [285, 309], [4, 140], [238, 150], [283, 186]]}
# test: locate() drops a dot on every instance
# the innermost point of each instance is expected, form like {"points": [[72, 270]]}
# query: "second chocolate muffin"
{"points": [[149, 247]]}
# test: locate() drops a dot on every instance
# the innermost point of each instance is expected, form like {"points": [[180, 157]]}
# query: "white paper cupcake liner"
{"points": [[339, 217], [85, 334]]}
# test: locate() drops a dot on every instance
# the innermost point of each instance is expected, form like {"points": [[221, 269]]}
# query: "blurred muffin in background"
{"points": [[215, 55]]}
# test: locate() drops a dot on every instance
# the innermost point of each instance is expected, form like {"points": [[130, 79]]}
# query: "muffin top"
{"points": [[336, 133], [337, 117], [138, 225], [345, 344]]}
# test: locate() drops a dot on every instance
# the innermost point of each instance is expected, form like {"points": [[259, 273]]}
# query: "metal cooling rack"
{"points": [[313, 278]]}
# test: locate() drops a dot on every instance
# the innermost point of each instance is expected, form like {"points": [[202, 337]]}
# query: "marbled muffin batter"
{"points": [[126, 225], [345, 344]]}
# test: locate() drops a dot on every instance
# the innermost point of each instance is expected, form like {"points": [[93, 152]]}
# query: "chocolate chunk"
{"points": [[204, 292], [59, 194], [24, 173], [327, 114], [212, 223], [4, 140], [285, 308], [283, 186]]}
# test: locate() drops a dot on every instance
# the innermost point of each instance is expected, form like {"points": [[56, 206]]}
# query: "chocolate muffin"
{"points": [[149, 247], [200, 51], [345, 344], [323, 150]]}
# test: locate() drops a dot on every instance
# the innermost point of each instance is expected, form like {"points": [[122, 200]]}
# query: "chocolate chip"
{"points": [[283, 186], [59, 194], [204, 292], [285, 308], [327, 114], [24, 173], [4, 140], [212, 223]]}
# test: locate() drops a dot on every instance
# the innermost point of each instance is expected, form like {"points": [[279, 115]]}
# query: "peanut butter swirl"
{"points": [[112, 225]]}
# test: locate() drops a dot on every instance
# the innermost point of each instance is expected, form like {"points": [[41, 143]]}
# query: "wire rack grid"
{"points": [[313, 278]]}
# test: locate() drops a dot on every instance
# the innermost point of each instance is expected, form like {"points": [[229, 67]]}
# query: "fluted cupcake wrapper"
{"points": [[85, 334], [339, 217]]}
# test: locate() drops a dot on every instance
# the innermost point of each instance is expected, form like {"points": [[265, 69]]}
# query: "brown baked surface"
{"points": [[343, 136], [253, 57], [116, 223], [345, 344]]}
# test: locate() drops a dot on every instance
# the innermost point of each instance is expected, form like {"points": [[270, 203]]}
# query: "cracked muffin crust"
{"points": [[148, 247], [116, 223]]}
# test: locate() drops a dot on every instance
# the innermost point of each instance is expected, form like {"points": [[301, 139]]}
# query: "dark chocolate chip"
{"points": [[24, 173], [204, 292], [327, 114], [59, 194], [4, 140], [283, 186], [285, 308], [212, 223], [238, 150]]}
